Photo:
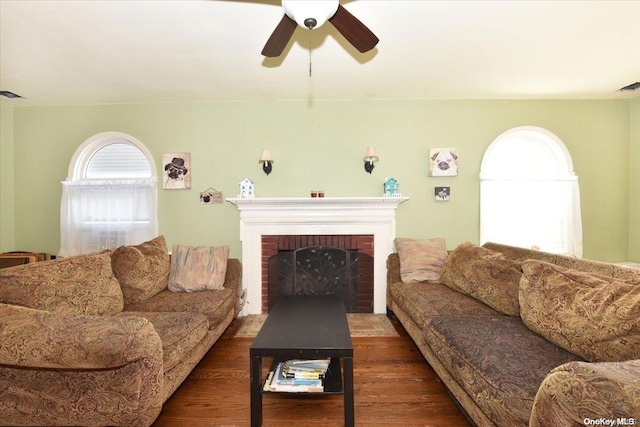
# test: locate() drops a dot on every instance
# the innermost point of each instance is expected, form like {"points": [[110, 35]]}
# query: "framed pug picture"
{"points": [[443, 162], [176, 171]]}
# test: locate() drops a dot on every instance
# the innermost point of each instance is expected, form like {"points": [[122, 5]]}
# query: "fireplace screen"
{"points": [[323, 270]]}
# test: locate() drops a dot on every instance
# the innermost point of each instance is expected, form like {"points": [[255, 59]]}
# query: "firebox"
{"points": [[319, 265], [323, 270]]}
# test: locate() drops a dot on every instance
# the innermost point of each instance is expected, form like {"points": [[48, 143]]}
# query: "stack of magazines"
{"points": [[296, 375]]}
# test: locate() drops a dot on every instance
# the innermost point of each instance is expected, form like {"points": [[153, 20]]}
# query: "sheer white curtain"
{"points": [[529, 194], [104, 214]]}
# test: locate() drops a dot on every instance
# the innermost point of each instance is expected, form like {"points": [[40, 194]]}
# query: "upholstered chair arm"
{"points": [[40, 339], [577, 392]]}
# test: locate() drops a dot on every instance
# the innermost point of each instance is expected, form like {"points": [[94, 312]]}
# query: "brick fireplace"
{"points": [[332, 217]]}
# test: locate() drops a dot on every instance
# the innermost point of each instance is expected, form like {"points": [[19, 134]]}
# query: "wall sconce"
{"points": [[370, 157], [266, 160]]}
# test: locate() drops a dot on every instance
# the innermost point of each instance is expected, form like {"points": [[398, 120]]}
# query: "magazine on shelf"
{"points": [[311, 370], [277, 381]]}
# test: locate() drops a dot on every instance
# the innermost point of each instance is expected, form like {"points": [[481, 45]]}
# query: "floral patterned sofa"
{"points": [[522, 337], [99, 339]]}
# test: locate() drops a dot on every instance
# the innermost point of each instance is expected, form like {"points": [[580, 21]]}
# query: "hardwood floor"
{"points": [[393, 386]]}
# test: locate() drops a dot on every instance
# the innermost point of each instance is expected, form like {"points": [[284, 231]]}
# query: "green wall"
{"points": [[634, 181], [320, 145], [7, 234]]}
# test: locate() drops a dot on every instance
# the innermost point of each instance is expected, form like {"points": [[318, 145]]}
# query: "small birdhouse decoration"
{"points": [[391, 188], [247, 189]]}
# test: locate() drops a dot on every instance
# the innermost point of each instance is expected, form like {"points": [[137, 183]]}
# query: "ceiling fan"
{"points": [[313, 14]]}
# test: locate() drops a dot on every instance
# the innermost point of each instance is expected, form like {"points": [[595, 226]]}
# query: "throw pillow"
{"points": [[142, 270], [485, 275], [82, 284], [421, 260], [198, 268], [594, 316]]}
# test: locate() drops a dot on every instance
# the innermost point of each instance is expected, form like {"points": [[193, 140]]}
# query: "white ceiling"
{"points": [[124, 51]]}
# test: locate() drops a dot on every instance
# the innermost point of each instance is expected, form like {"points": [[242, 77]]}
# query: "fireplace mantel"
{"points": [[314, 216]]}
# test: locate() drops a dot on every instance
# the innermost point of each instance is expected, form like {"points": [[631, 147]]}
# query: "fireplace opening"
{"points": [[360, 252], [323, 270]]}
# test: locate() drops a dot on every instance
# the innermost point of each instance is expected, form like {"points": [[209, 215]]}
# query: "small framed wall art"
{"points": [[211, 196], [177, 171], [442, 194], [443, 162]]}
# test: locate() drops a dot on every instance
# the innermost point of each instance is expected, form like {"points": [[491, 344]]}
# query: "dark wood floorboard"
{"points": [[393, 386]]}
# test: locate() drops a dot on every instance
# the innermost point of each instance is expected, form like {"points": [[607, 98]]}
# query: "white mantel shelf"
{"points": [[314, 216], [317, 202]]}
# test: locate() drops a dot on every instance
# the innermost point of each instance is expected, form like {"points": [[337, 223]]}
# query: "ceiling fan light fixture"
{"points": [[310, 13]]}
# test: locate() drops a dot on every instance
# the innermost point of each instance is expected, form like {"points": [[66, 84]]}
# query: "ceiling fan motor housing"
{"points": [[310, 13]]}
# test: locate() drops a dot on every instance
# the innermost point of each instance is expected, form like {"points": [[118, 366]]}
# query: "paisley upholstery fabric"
{"points": [[421, 302], [213, 305], [421, 260], [83, 284], [594, 316], [498, 369], [179, 333], [485, 275], [35, 338], [129, 395], [197, 268], [497, 360], [76, 358], [54, 367], [142, 270], [577, 391], [607, 269]]}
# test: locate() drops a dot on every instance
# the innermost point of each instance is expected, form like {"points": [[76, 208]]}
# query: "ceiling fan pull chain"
{"points": [[309, 57]]}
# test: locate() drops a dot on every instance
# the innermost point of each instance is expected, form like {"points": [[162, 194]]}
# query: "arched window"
{"points": [[529, 194], [109, 198]]}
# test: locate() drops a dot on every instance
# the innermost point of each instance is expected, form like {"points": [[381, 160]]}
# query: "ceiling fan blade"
{"points": [[353, 30], [280, 37]]}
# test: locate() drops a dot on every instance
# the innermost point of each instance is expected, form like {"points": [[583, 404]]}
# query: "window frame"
{"points": [[562, 174], [81, 231], [92, 145]]}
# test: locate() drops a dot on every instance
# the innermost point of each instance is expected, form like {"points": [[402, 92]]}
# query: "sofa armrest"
{"points": [[40, 339], [393, 274], [393, 269], [579, 391], [233, 279]]}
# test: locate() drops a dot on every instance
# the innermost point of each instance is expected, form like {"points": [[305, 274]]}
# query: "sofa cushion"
{"points": [[485, 275], [608, 269], [422, 302], [594, 316], [421, 260], [215, 305], [82, 284], [496, 360], [179, 333], [197, 268], [142, 270]]}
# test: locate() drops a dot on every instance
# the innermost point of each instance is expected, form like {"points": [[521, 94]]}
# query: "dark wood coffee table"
{"points": [[305, 327]]}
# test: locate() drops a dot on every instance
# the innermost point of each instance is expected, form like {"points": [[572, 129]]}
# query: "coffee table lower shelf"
{"points": [[332, 380]]}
